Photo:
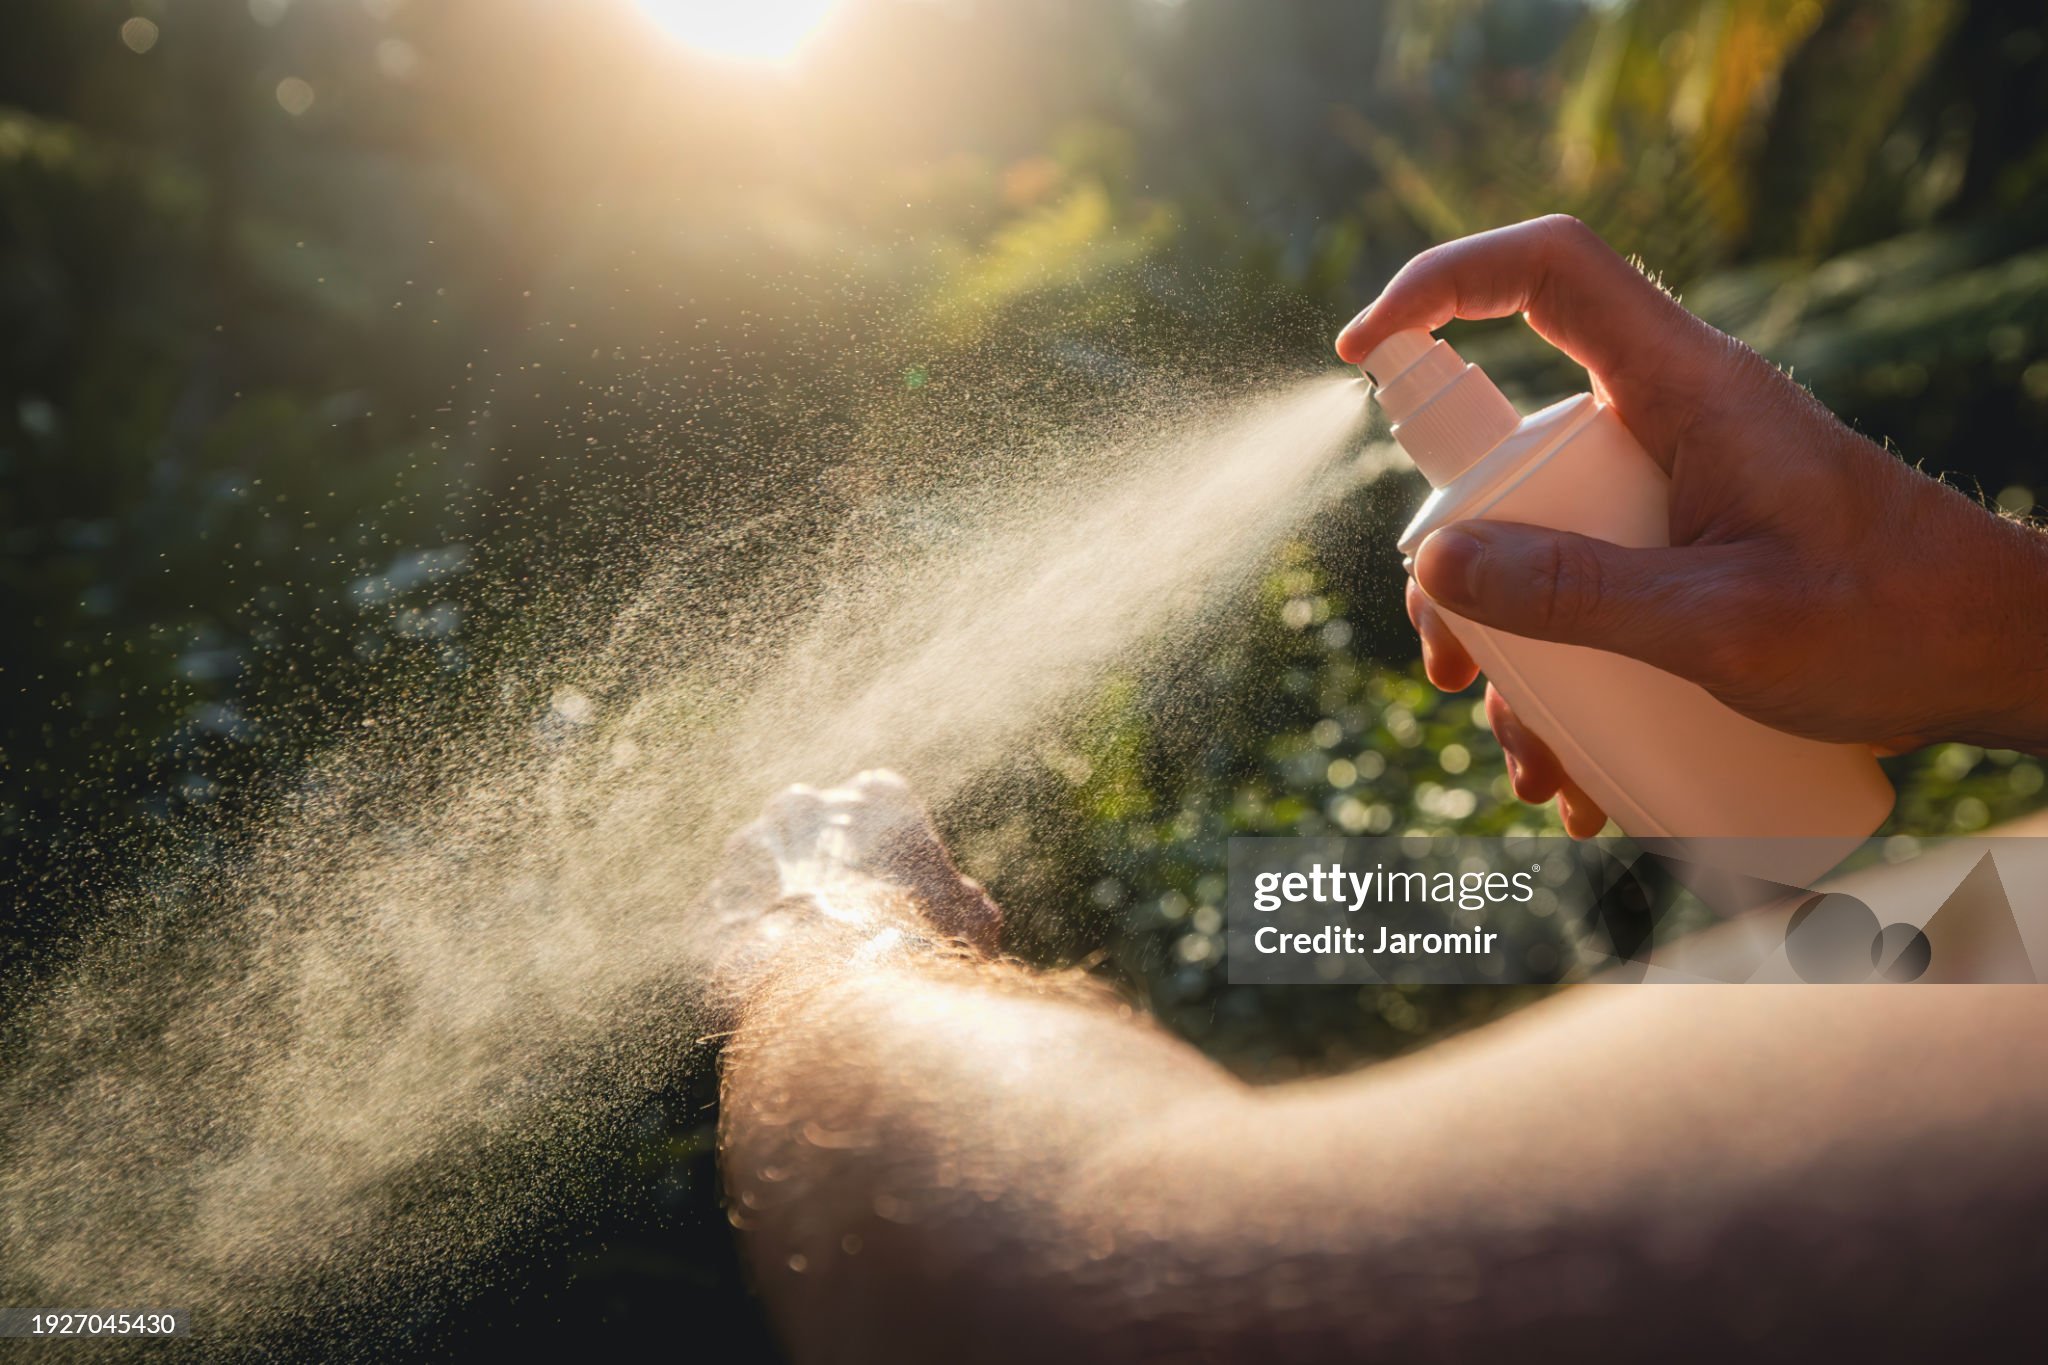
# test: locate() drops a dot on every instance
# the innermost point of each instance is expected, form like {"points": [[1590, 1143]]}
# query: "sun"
{"points": [[766, 32]]}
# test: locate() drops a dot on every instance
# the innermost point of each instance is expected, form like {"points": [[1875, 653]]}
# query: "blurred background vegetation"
{"points": [[347, 343]]}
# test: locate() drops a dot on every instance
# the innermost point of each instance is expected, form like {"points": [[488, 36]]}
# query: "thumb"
{"points": [[1658, 605]]}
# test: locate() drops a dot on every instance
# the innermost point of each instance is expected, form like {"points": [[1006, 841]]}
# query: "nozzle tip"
{"points": [[1386, 361]]}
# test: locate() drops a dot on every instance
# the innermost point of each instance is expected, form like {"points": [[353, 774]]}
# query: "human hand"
{"points": [[823, 880], [1813, 581]]}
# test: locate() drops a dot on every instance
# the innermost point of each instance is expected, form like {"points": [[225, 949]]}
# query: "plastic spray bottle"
{"points": [[1662, 756]]}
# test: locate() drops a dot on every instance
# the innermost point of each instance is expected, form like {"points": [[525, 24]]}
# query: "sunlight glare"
{"points": [[763, 31]]}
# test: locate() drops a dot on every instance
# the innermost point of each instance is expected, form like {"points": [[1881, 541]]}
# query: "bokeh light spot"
{"points": [[139, 34], [294, 95]]}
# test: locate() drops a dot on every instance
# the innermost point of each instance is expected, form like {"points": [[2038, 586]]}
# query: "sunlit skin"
{"points": [[764, 32], [1815, 581], [936, 1155]]}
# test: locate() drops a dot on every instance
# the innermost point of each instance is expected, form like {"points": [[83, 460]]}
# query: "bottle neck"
{"points": [[1446, 413]]}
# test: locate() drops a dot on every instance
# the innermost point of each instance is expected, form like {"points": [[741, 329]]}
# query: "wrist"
{"points": [[2011, 675], [814, 952]]}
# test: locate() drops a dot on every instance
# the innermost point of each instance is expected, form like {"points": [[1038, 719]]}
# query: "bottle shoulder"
{"points": [[1540, 436]]}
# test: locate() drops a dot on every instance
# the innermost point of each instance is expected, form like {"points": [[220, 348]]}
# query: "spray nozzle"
{"points": [[1446, 413], [1396, 354]]}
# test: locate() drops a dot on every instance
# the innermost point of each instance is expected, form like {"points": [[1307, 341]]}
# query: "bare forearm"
{"points": [[1680, 1173], [928, 1166], [909, 1154]]}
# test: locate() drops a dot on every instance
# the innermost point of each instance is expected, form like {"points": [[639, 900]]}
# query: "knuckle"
{"points": [[1564, 233], [1574, 591], [1427, 264], [1561, 255]]}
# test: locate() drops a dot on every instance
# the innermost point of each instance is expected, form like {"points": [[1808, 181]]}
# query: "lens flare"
{"points": [[767, 32]]}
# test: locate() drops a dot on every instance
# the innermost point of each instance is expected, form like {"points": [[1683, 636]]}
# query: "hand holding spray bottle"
{"points": [[1661, 755]]}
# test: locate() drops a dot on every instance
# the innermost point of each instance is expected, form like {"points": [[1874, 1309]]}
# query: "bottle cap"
{"points": [[1446, 413], [1395, 354]]}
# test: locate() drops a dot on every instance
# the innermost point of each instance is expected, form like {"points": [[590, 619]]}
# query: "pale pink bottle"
{"points": [[1660, 754]]}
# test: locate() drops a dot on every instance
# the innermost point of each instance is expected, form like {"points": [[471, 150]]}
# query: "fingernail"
{"points": [[1570, 814], [1448, 566]]}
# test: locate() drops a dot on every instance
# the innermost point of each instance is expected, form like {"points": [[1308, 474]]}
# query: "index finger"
{"points": [[1575, 291]]}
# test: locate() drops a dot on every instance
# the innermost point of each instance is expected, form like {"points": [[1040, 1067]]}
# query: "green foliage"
{"points": [[1344, 745]]}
